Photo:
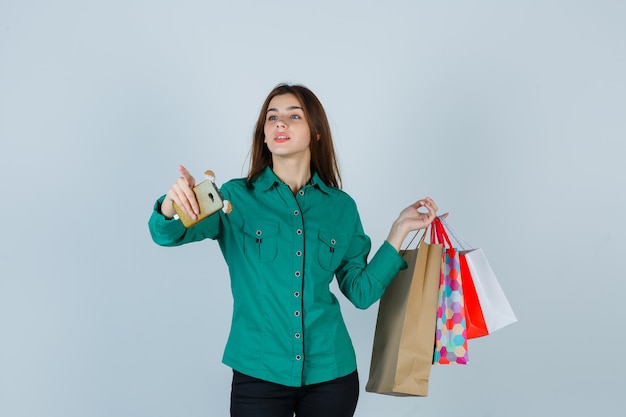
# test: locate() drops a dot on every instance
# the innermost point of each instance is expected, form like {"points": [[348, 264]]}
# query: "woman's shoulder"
{"points": [[235, 182], [341, 196], [235, 185]]}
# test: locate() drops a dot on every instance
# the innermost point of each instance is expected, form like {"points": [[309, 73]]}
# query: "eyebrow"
{"points": [[288, 109]]}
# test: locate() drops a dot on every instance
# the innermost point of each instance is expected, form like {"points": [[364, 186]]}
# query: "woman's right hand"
{"points": [[181, 193]]}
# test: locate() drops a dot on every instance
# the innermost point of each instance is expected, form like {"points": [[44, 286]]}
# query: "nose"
{"points": [[280, 123]]}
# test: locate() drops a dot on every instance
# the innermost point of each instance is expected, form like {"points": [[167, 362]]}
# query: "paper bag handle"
{"points": [[412, 239]]}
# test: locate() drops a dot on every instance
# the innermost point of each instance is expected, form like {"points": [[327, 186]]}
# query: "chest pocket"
{"points": [[331, 248], [261, 240]]}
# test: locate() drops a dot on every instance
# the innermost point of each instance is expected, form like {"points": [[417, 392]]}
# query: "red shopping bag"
{"points": [[474, 318]]}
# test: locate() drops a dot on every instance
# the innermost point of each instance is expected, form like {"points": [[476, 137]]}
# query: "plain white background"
{"points": [[512, 115]]}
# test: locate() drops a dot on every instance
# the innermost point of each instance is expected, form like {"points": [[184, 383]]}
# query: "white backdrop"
{"points": [[512, 115]]}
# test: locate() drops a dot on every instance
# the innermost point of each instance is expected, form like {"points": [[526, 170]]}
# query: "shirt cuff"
{"points": [[164, 231]]}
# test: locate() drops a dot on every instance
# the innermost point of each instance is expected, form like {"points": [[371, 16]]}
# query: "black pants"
{"points": [[252, 397]]}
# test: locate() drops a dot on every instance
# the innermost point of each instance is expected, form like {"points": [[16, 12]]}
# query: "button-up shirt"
{"points": [[283, 251]]}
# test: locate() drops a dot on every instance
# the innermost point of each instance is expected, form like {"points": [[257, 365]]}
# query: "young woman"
{"points": [[291, 232]]}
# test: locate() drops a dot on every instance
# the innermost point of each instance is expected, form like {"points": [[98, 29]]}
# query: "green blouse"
{"points": [[283, 251]]}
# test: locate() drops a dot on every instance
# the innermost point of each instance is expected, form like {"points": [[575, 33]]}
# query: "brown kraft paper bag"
{"points": [[404, 339]]}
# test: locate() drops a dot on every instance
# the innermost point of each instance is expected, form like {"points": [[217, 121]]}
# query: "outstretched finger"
{"points": [[187, 176]]}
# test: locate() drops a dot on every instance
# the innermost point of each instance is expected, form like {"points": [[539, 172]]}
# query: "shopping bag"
{"points": [[488, 309], [474, 317], [403, 340], [450, 333]]}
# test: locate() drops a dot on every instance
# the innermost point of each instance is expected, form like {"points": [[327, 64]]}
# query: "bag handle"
{"points": [[463, 244], [440, 232], [417, 232]]}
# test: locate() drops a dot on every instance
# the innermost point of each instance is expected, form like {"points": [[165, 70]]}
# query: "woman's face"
{"points": [[287, 132]]}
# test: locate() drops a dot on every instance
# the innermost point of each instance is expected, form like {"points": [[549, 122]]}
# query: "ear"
{"points": [[318, 136]]}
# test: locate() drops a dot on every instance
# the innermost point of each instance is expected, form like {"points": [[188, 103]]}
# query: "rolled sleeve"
{"points": [[164, 232]]}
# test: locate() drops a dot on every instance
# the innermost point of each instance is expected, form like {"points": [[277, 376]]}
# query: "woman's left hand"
{"points": [[411, 218]]}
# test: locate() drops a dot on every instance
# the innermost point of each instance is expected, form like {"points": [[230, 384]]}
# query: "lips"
{"points": [[281, 138]]}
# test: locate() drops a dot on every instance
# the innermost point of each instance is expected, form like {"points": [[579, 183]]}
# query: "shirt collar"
{"points": [[317, 181], [267, 179]]}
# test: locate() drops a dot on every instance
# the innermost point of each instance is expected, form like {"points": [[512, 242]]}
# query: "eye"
{"points": [[270, 118], [295, 116]]}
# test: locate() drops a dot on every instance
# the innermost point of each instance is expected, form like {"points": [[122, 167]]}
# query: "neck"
{"points": [[295, 176]]}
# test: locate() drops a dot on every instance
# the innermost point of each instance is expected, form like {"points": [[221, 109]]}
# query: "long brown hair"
{"points": [[323, 160]]}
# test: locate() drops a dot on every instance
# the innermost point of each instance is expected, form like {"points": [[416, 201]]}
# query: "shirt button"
{"points": [[301, 192], [296, 313], [299, 231], [297, 335], [296, 212], [259, 233], [296, 294], [299, 253], [298, 357], [297, 274], [333, 241]]}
